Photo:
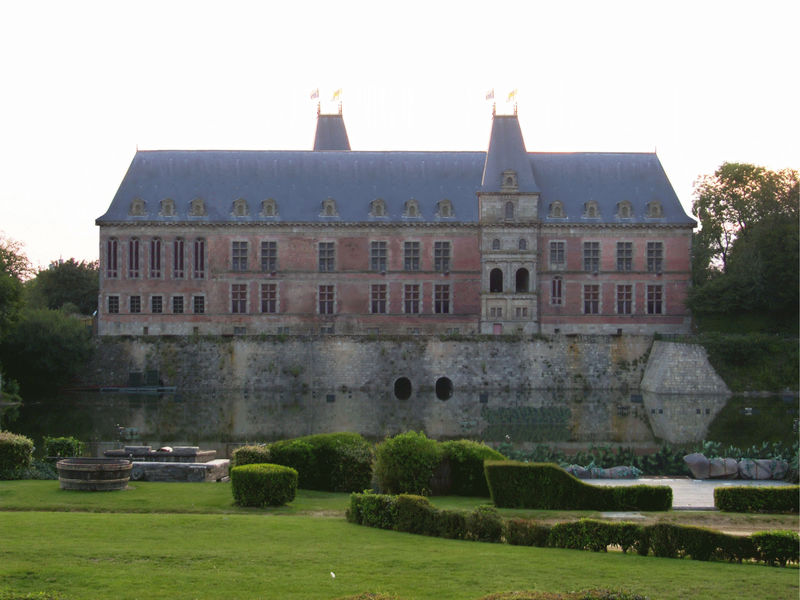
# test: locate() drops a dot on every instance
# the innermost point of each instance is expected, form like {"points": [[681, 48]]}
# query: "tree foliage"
{"points": [[14, 268], [66, 283]]}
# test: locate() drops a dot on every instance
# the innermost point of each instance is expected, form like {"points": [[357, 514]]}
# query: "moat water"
{"points": [[224, 419]]}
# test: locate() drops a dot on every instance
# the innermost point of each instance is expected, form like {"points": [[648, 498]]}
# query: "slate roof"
{"points": [[299, 182]]}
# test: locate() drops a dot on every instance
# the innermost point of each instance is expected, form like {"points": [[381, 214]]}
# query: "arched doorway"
{"points": [[495, 281], [522, 280]]}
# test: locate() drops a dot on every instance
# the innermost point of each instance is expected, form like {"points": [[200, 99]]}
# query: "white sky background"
{"points": [[83, 83]]}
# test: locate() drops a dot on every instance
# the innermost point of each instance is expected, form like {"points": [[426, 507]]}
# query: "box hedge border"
{"points": [[755, 499]]}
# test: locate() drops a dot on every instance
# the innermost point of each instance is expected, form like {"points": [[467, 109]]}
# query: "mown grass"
{"points": [[221, 551]]}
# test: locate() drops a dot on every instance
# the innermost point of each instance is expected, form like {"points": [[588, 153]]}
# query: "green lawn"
{"points": [[228, 552]]}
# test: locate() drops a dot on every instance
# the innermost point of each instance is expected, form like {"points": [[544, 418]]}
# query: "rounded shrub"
{"points": [[250, 455], [16, 452], [63, 447], [463, 459], [263, 484], [485, 524], [405, 464]]}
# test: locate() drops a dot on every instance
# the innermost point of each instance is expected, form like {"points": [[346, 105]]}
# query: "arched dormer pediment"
{"points": [[329, 208], [197, 208], [556, 210], [591, 210], [444, 209], [167, 208], [411, 209], [655, 210], [138, 208], [240, 208], [269, 208], [624, 210], [377, 208]]}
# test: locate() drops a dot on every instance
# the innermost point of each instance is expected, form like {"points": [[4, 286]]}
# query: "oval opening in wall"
{"points": [[444, 388], [402, 388]]}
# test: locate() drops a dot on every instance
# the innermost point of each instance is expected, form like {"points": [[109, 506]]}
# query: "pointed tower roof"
{"points": [[331, 133], [507, 153]]}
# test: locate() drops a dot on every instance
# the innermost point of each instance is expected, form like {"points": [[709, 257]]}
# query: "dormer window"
{"points": [[197, 208], [509, 181], [445, 209], [377, 208], [509, 210], [329, 208], [137, 208], [269, 208], [240, 208], [167, 208], [556, 210], [654, 210], [590, 210], [411, 209], [624, 210]]}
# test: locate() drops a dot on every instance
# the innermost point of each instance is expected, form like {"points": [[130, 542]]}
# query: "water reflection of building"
{"points": [[339, 241], [682, 418]]}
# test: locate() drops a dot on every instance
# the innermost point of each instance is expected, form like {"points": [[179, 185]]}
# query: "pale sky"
{"points": [[84, 83]]}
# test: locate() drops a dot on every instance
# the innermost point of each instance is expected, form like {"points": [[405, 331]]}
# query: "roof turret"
{"points": [[331, 133], [507, 166]]}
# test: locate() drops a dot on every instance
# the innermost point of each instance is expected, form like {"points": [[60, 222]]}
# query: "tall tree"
{"points": [[14, 268], [66, 282]]}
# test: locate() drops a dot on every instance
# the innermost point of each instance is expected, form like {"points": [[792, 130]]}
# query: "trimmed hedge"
{"points": [[16, 452], [405, 464], [777, 547], [463, 460], [547, 486], [250, 455], [263, 484], [781, 499], [63, 447]]}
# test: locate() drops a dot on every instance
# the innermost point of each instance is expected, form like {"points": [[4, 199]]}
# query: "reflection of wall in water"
{"points": [[682, 418]]}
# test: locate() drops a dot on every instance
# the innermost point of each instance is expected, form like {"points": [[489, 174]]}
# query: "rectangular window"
{"points": [[269, 298], [591, 256], [655, 257], [624, 299], [655, 300], [326, 299], [522, 312], [411, 299], [377, 256], [177, 305], [556, 291], [591, 299], [496, 312], [133, 258], [269, 257], [326, 256], [441, 256], [198, 304], [624, 256], [156, 304], [557, 255], [377, 299], [411, 256], [112, 257], [441, 299], [178, 269], [135, 305], [199, 259], [239, 298], [113, 305], [155, 258], [239, 256]]}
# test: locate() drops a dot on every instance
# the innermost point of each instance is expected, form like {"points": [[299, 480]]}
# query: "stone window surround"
{"points": [[557, 265], [629, 257], [408, 287], [412, 255], [383, 296], [557, 291], [180, 297], [268, 260], [329, 255], [264, 297], [112, 302], [378, 255], [239, 292], [660, 257], [663, 299], [203, 304], [445, 293], [598, 258], [584, 298], [330, 288], [157, 301], [443, 262], [617, 287], [237, 257]]}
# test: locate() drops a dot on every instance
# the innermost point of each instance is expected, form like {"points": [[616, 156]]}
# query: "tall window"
{"points": [[239, 298], [198, 304], [509, 210], [655, 257], [655, 300], [495, 281], [156, 304], [113, 304], [177, 305], [522, 244], [269, 298], [624, 256], [441, 299], [239, 256], [326, 299], [112, 258], [591, 299], [135, 304], [377, 256], [624, 299], [556, 291], [133, 258], [441, 256], [557, 254], [178, 269], [591, 256], [411, 299], [155, 258], [269, 257], [377, 299], [411, 256], [326, 256], [199, 259]]}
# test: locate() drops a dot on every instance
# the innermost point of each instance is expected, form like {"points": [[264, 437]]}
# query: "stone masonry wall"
{"points": [[676, 368]]}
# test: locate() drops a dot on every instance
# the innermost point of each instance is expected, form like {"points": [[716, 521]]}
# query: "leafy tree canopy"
{"points": [[14, 268], [70, 285]]}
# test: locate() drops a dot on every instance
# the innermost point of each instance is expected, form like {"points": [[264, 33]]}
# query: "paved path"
{"points": [[689, 494]]}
